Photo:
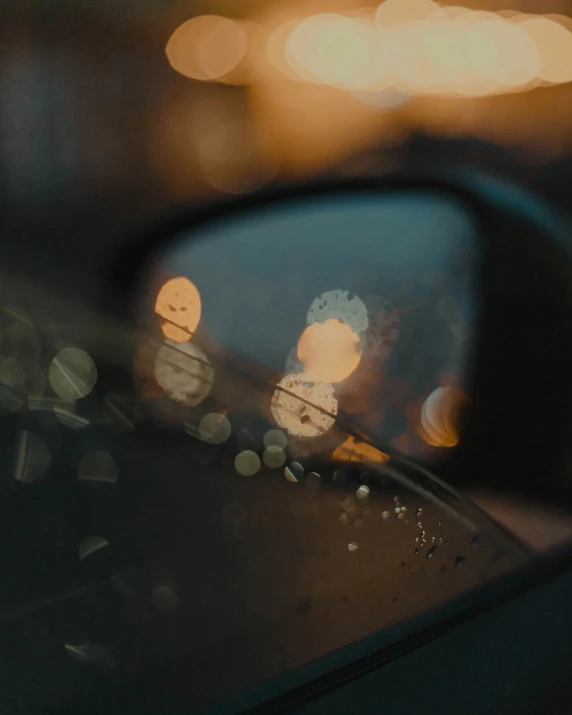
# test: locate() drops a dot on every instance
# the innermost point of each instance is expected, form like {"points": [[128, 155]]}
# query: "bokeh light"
{"points": [[179, 304], [208, 47], [329, 351], [441, 417], [339, 305], [72, 374], [419, 47], [184, 372], [352, 450], [304, 407]]}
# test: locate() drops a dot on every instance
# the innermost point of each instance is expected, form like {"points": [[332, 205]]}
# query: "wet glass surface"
{"points": [[219, 520]]}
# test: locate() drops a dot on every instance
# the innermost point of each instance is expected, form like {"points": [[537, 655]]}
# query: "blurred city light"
{"points": [[413, 47], [329, 351], [208, 47], [179, 304]]}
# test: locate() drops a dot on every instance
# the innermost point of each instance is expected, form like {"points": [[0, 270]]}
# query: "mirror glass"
{"points": [[291, 349], [371, 298]]}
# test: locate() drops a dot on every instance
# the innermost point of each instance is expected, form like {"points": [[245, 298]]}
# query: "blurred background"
{"points": [[115, 111]]}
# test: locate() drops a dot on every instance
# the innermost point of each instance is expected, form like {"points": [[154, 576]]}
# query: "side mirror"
{"points": [[432, 317]]}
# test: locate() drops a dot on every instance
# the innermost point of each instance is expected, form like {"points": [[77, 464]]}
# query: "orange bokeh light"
{"points": [[179, 304], [208, 47], [329, 351]]}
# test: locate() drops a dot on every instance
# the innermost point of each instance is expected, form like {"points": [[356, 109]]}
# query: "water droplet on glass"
{"points": [[475, 541], [294, 472], [247, 463], [362, 492], [419, 512], [274, 456], [397, 510], [352, 546], [401, 516], [214, 428], [313, 480], [72, 374], [431, 552], [275, 438], [459, 561], [396, 500], [386, 515], [404, 509]]}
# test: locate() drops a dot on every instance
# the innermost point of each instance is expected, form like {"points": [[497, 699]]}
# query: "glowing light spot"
{"points": [[275, 437], [184, 372], [179, 304], [441, 416], [274, 456], [72, 374], [214, 428], [208, 47], [329, 351], [304, 407], [352, 546], [247, 463], [554, 42], [339, 305], [354, 451], [362, 492]]}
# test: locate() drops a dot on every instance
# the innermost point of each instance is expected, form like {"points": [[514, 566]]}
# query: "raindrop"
{"points": [[274, 456], [362, 492], [275, 438], [214, 428], [475, 541], [401, 516], [419, 512], [97, 466], [33, 458], [164, 597], [386, 515], [397, 510], [90, 654], [404, 509], [247, 463], [72, 374], [431, 552], [313, 480], [294, 472], [90, 546], [352, 546], [459, 561]]}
